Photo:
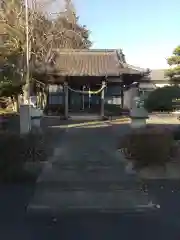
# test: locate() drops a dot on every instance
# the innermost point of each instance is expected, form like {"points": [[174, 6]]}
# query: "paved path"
{"points": [[86, 173], [163, 119], [161, 225]]}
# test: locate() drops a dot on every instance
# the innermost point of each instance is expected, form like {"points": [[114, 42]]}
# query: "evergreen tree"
{"points": [[174, 63]]}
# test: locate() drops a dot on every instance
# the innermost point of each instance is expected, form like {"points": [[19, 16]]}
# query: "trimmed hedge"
{"points": [[148, 146], [176, 133], [161, 99], [15, 150]]}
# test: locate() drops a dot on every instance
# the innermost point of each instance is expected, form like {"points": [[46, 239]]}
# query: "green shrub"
{"points": [[161, 99], [10, 161], [148, 146], [113, 109], [54, 109], [15, 150], [34, 147], [176, 133]]}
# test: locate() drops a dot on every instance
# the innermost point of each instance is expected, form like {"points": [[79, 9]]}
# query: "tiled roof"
{"points": [[89, 63], [135, 70]]}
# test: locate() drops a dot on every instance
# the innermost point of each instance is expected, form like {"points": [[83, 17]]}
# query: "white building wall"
{"points": [[161, 85]]}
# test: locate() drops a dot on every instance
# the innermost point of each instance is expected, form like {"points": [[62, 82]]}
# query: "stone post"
{"points": [[133, 94], [102, 99], [138, 114], [25, 119], [66, 100], [36, 115]]}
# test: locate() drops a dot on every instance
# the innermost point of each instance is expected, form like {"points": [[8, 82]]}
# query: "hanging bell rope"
{"points": [[87, 92]]}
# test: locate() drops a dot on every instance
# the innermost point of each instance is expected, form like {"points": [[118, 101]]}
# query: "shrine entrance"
{"points": [[86, 99]]}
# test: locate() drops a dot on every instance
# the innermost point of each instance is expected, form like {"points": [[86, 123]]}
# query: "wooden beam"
{"points": [[115, 80]]}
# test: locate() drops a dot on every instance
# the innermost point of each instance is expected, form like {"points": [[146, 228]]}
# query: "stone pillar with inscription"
{"points": [[25, 119], [138, 114]]}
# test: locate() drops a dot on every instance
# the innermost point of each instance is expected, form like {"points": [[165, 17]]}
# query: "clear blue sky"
{"points": [[147, 31]]}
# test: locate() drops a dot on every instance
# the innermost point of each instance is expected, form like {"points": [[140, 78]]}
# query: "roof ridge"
{"points": [[136, 67], [119, 59], [159, 69], [103, 49], [84, 50]]}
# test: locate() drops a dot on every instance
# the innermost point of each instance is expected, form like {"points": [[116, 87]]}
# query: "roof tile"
{"points": [[88, 63]]}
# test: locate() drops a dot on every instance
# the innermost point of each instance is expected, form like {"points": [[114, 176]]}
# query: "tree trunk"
{"points": [[26, 94], [16, 97], [15, 102]]}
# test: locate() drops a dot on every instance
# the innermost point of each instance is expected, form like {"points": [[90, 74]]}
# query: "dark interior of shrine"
{"points": [[90, 102]]}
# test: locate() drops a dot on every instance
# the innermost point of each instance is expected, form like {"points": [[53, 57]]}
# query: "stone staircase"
{"points": [[68, 186]]}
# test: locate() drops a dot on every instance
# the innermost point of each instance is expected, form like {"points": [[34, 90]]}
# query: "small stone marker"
{"points": [[138, 114]]}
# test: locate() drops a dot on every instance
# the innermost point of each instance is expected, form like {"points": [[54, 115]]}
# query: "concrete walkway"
{"points": [[163, 119], [86, 173]]}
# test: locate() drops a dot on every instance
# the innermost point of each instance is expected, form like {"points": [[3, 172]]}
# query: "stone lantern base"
{"points": [[138, 116], [138, 122]]}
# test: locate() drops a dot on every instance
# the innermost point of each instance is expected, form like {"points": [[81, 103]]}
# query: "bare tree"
{"points": [[46, 31]]}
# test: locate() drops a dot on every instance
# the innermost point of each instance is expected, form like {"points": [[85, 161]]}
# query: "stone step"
{"points": [[92, 185], [57, 200], [84, 175], [87, 164]]}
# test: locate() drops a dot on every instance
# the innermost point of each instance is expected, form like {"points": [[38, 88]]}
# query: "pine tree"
{"points": [[174, 63]]}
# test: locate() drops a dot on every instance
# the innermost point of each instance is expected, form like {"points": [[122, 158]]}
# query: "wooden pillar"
{"points": [[83, 87], [122, 91], [47, 96], [66, 100], [102, 99], [122, 95]]}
